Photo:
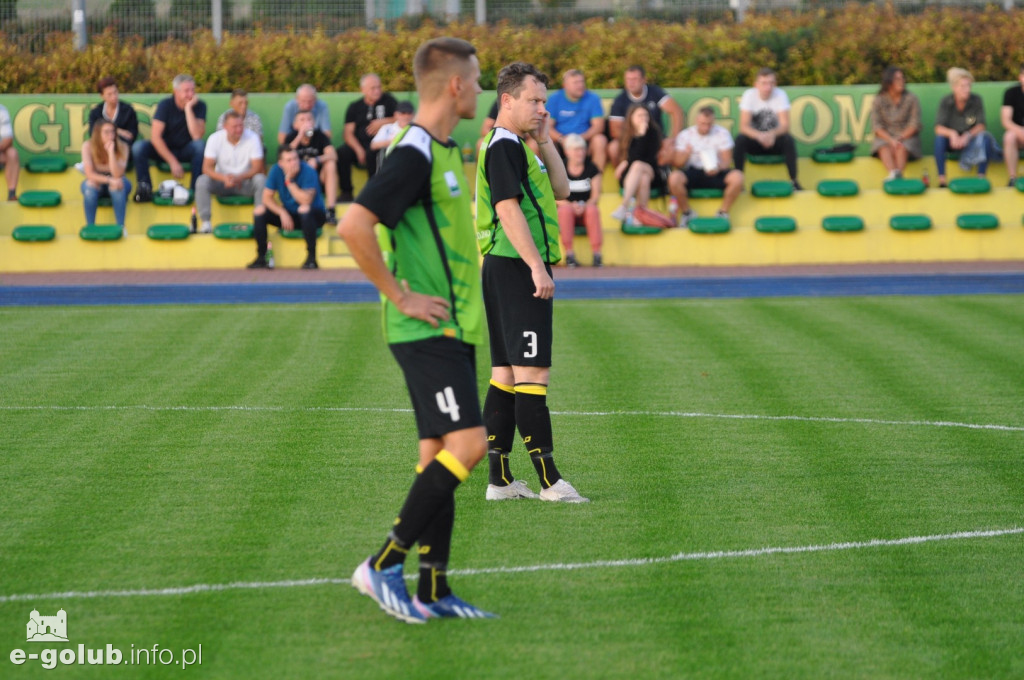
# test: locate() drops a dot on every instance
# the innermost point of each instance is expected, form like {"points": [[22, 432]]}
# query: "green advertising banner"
{"points": [[51, 124]]}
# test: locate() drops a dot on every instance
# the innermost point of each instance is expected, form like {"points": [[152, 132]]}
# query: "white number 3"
{"points": [[531, 339], [446, 402]]}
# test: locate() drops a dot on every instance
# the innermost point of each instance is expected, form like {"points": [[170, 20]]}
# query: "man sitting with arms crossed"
{"points": [[232, 166]]}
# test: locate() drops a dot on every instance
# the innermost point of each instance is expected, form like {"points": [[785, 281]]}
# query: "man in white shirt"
{"points": [[232, 166], [703, 154], [764, 124], [9, 155], [404, 113]]}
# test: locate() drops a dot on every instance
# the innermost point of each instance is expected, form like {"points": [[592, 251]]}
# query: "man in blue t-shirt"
{"points": [[575, 109], [177, 132], [291, 197]]}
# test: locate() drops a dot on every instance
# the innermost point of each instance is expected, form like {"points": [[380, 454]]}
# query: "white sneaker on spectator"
{"points": [[516, 489], [620, 213], [684, 218], [205, 227], [562, 491]]}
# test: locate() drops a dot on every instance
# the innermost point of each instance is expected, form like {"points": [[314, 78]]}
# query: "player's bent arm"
{"points": [[556, 170], [357, 229], [518, 231]]}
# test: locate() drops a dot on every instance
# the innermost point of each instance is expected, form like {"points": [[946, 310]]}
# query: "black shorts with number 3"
{"points": [[519, 324], [441, 376]]}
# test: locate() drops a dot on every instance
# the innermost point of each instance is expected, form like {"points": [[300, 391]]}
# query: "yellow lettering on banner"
{"points": [[144, 112], [723, 111], [853, 127], [821, 113], [25, 133], [77, 124]]}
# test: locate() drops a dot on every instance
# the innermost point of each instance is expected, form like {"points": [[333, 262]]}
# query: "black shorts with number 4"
{"points": [[441, 376], [519, 324]]}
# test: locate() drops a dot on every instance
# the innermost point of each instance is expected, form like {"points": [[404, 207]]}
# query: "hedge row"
{"points": [[848, 46]]}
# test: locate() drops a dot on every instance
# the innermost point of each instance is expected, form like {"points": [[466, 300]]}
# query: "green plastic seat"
{"points": [[842, 223], [766, 159], [977, 221], [232, 230], [826, 156], [296, 233], [46, 164], [903, 187], [772, 188], [34, 232], [709, 225], [910, 222], [970, 185], [185, 165], [775, 225], [706, 193], [640, 229], [168, 232], [40, 199], [101, 232], [235, 200], [160, 200], [834, 188], [1020, 184]]}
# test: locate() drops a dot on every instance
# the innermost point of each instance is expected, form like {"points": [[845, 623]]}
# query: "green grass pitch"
{"points": [[158, 464]]}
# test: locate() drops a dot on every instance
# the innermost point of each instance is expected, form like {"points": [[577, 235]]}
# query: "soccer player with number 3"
{"points": [[517, 225]]}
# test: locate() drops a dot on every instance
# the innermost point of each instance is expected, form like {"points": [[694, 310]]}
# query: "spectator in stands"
{"points": [[404, 112], [363, 119], [305, 100], [896, 123], [576, 110], [250, 119], [581, 207], [655, 100], [764, 124], [960, 126], [1012, 114], [639, 172], [121, 115], [291, 198], [703, 152], [315, 150], [232, 166], [177, 130], [104, 161], [9, 160]]}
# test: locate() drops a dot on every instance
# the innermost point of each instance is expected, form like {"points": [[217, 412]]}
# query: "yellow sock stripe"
{"points": [[391, 546], [532, 388], [543, 467], [504, 388], [506, 471], [453, 465]]}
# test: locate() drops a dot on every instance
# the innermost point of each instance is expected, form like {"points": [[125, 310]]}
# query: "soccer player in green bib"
{"points": [[433, 319], [517, 230]]}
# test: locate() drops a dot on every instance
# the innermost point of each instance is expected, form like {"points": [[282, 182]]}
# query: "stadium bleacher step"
{"points": [[709, 225], [970, 185], [904, 187], [836, 188], [40, 199], [34, 233], [910, 222], [772, 188], [775, 224], [842, 223], [101, 232], [977, 221], [168, 232], [233, 230]]}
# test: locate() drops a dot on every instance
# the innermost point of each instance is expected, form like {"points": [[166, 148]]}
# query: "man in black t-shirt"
{"points": [[1013, 122], [363, 118], [314, 149], [178, 131], [638, 91], [122, 115]]}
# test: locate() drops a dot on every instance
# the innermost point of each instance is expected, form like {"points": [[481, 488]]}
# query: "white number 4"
{"points": [[446, 402], [531, 340]]}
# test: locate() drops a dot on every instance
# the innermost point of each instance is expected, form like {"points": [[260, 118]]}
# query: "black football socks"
{"points": [[534, 422]]}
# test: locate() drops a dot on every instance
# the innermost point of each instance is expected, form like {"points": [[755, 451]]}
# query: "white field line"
{"points": [[660, 414], [602, 564]]}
